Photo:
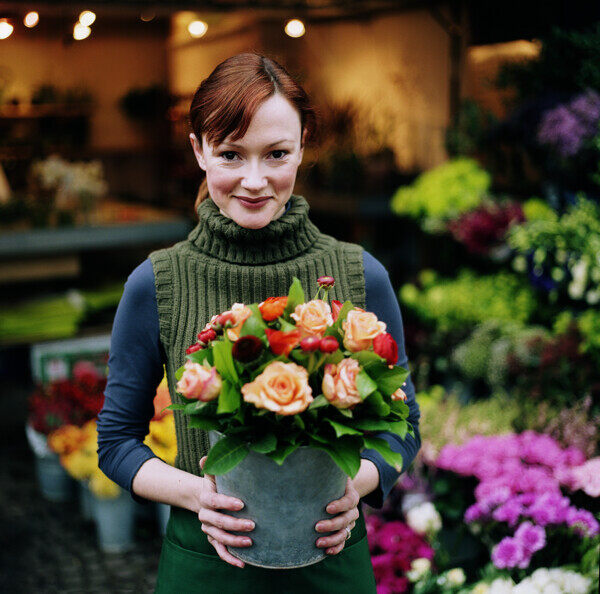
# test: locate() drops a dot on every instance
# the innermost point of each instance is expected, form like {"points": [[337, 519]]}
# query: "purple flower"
{"points": [[509, 512], [549, 508], [582, 522], [533, 538], [392, 535], [508, 553], [383, 566], [475, 512]]}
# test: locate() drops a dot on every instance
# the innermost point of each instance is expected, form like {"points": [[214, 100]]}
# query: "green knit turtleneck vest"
{"points": [[221, 263]]}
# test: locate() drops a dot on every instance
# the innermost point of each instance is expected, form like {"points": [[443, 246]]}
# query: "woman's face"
{"points": [[251, 179]]}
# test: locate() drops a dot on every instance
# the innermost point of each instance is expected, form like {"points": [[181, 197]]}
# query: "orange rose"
{"points": [[282, 388], [272, 307], [313, 317], [339, 383], [240, 314], [199, 382], [360, 328]]}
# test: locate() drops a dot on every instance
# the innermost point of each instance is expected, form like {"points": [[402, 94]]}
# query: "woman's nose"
{"points": [[253, 179]]}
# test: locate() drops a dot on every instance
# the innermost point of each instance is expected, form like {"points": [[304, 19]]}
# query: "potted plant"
{"points": [[290, 392]]}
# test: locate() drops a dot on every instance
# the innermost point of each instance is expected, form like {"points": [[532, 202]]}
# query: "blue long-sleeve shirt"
{"points": [[136, 368]]}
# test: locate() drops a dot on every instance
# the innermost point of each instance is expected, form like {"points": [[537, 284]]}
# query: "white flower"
{"points": [[577, 285], [526, 587], [418, 568], [540, 577], [456, 576], [481, 588], [592, 297], [501, 586], [424, 518]]}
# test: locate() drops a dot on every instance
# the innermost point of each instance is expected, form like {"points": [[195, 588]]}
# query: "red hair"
{"points": [[226, 101]]}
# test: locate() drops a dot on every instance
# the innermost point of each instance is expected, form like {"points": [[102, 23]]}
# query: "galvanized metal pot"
{"points": [[284, 502]]}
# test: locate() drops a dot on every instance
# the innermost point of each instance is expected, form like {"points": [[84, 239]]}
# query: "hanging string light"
{"points": [[6, 29], [147, 16], [87, 17], [295, 28], [31, 19], [197, 28]]}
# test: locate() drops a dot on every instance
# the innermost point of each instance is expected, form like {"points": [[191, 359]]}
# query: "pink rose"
{"points": [[339, 383], [240, 314], [199, 382], [360, 328]]}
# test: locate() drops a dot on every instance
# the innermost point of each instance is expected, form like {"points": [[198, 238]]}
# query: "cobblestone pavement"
{"points": [[49, 548]]}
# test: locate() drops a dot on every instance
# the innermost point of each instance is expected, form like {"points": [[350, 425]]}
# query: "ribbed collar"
{"points": [[287, 237]]}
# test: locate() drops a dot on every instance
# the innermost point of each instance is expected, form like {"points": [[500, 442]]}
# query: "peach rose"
{"points": [[339, 383], [313, 317], [199, 382], [240, 314], [282, 388], [360, 328], [399, 394]]}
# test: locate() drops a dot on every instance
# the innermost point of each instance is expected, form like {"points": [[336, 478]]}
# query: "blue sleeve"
{"points": [[135, 368], [382, 301]]}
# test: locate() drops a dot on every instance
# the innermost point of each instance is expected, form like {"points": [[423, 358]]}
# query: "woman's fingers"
{"points": [[348, 501], [224, 553], [340, 521], [338, 539], [225, 521], [225, 538]]}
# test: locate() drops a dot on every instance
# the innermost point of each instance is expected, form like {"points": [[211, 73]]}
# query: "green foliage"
{"points": [[450, 304], [537, 209], [466, 135], [443, 193], [227, 453]]}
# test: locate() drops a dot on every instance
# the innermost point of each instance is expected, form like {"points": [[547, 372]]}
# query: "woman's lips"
{"points": [[254, 203]]}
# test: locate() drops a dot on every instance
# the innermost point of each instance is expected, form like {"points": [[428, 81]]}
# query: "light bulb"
{"points": [[197, 28], [31, 19], [295, 28], [81, 31], [6, 29], [86, 18]]}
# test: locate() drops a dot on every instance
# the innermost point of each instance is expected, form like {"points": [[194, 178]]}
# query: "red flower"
{"points": [[329, 344], [272, 307], [310, 343], [207, 335], [385, 346], [326, 281], [247, 348], [192, 349], [335, 308], [283, 342]]}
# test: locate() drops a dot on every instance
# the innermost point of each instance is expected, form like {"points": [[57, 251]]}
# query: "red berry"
{"points": [[310, 343], [329, 344], [193, 348]]}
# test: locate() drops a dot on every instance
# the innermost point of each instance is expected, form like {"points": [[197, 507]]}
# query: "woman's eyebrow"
{"points": [[237, 146]]}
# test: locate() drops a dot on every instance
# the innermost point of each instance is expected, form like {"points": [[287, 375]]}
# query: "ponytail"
{"points": [[202, 195]]}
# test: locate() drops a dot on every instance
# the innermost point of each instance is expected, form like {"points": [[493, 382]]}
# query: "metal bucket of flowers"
{"points": [[290, 393]]}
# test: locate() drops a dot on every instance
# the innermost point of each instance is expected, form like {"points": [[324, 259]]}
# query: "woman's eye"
{"points": [[279, 154], [227, 154]]}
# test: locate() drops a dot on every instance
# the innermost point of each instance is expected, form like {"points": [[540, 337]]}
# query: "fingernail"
{"points": [[331, 508], [319, 526], [239, 505], [247, 541], [249, 525]]}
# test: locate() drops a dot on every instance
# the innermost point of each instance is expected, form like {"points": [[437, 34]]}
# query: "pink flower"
{"points": [[476, 512], [533, 538], [587, 477], [508, 553], [392, 535], [339, 383], [199, 382], [582, 522], [383, 566], [509, 512]]}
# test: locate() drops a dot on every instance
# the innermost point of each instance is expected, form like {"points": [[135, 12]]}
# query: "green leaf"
{"points": [[226, 454], [194, 407], [179, 373], [336, 328], [383, 447], [295, 297], [285, 326], [343, 429], [265, 444], [372, 424], [299, 422], [230, 398], [390, 380], [399, 428], [224, 360], [318, 402], [367, 358], [400, 407], [377, 404], [254, 325], [260, 369], [334, 357], [206, 423], [176, 406], [346, 412], [199, 356], [345, 453], [282, 452], [364, 384]]}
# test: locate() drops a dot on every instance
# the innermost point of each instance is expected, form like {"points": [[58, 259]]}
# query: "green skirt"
{"points": [[189, 563]]}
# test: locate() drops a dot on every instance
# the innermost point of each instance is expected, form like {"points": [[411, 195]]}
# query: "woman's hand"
{"points": [[215, 524], [347, 510]]}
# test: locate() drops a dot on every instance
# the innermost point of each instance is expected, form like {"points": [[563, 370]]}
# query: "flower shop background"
{"points": [[460, 146]]}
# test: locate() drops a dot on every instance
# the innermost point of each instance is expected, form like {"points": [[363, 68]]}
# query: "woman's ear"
{"points": [[198, 152], [302, 143]]}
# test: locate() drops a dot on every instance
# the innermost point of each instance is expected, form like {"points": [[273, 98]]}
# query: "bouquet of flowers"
{"points": [[285, 373]]}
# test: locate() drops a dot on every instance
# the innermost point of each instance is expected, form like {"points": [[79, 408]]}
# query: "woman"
{"points": [[250, 124]]}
